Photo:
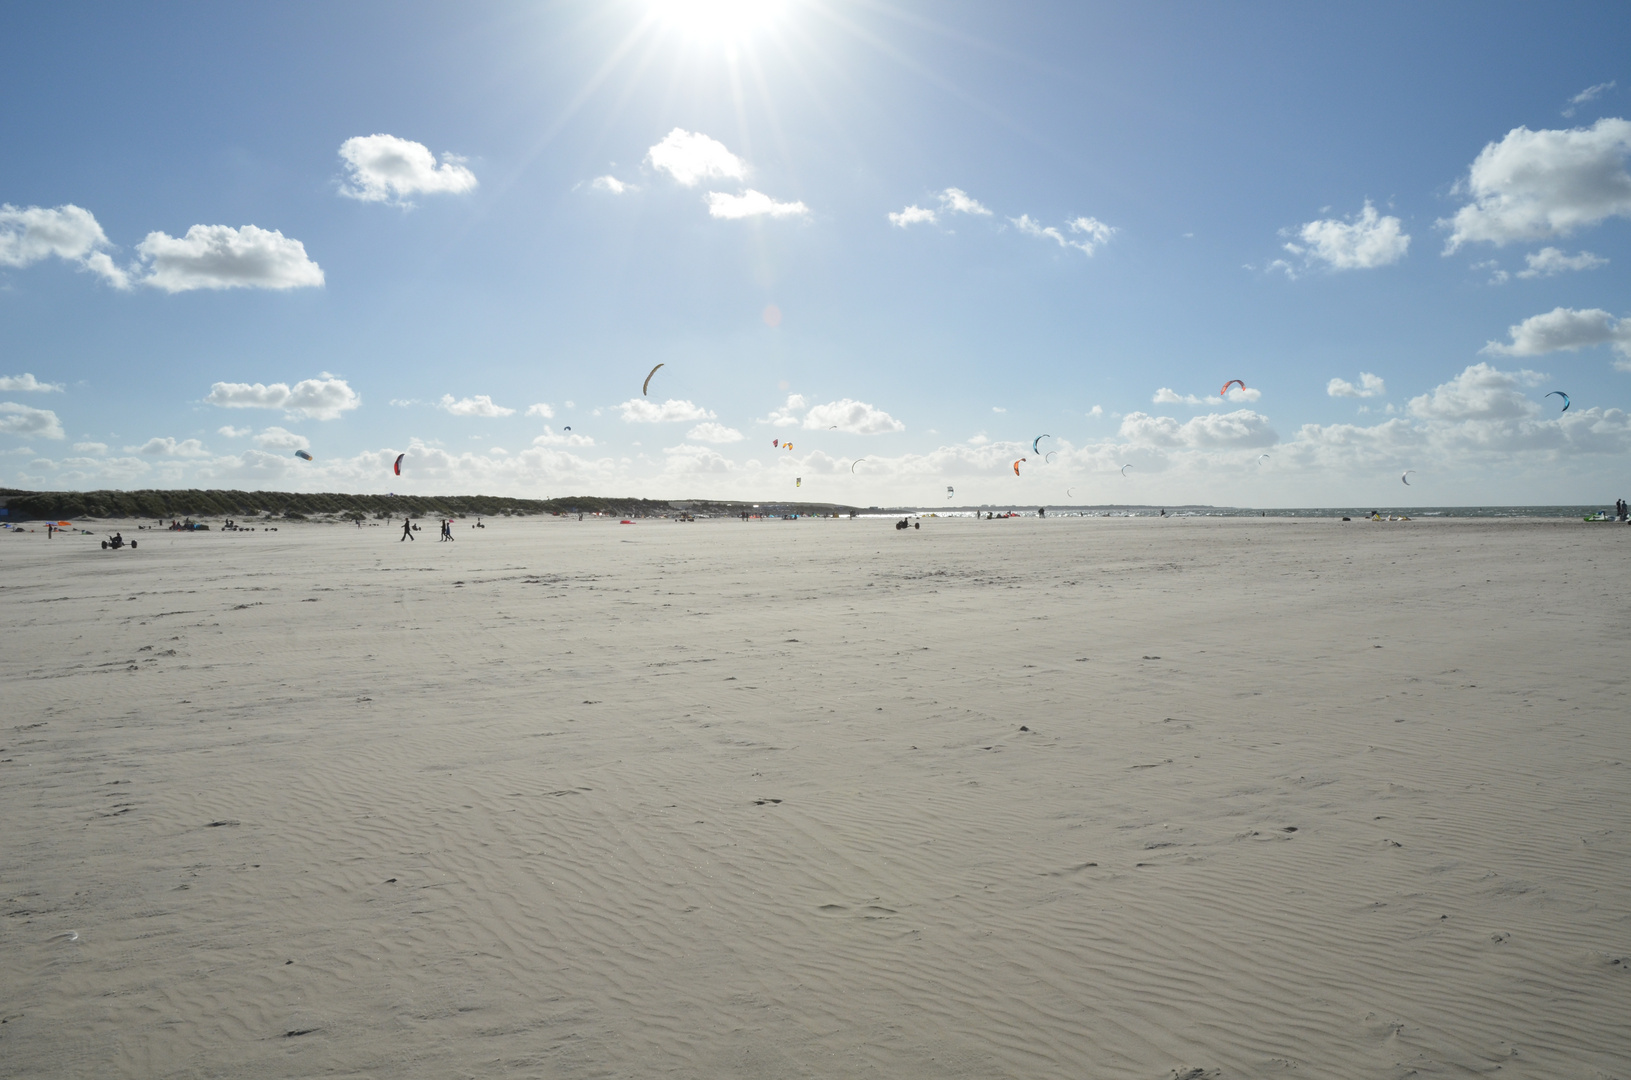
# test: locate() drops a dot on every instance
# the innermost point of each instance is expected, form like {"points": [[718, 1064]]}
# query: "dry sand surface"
{"points": [[1064, 798]]}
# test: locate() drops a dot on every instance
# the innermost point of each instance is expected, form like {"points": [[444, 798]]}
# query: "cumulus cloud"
{"points": [[24, 421], [690, 157], [68, 232], [543, 409], [276, 438], [168, 447], [688, 460], [786, 416], [751, 204], [326, 398], [611, 184], [91, 447], [28, 383], [479, 405], [1480, 392], [855, 417], [1240, 429], [645, 411], [1095, 412], [1551, 261], [1167, 396], [1533, 185], [384, 168], [957, 201], [1363, 242], [551, 437], [1092, 231], [233, 432], [221, 257], [1590, 93], [912, 215], [714, 433], [1369, 386], [1564, 330]]}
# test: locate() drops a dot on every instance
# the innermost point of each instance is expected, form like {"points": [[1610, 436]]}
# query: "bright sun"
{"points": [[726, 21]]}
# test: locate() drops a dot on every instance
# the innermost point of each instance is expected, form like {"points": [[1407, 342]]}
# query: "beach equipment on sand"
{"points": [[1562, 395], [302, 455], [397, 468], [1232, 382], [647, 385], [1405, 476]]}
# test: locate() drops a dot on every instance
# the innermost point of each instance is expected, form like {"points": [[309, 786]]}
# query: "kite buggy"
{"points": [[115, 542]]}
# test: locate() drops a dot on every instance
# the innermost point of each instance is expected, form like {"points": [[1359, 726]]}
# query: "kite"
{"points": [[1405, 476], [1068, 494], [1035, 449], [775, 442], [798, 481], [647, 385], [1124, 469], [950, 491], [1016, 465], [1562, 395], [1263, 457], [397, 468], [569, 427], [302, 455], [787, 446], [857, 462], [1232, 382], [1051, 454]]}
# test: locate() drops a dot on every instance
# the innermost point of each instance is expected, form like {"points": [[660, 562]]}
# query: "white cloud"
{"points": [[168, 447], [1550, 261], [611, 184], [1363, 242], [543, 409], [384, 168], [855, 417], [645, 411], [912, 215], [1096, 411], [551, 437], [1567, 330], [221, 257], [276, 438], [1369, 386], [1240, 429], [689, 157], [1590, 93], [1538, 184], [404, 403], [28, 383], [68, 232], [233, 432], [479, 405], [784, 416], [91, 447], [22, 420], [1168, 396], [957, 201], [317, 399], [710, 432], [1094, 231], [751, 204], [1478, 393], [688, 460]]}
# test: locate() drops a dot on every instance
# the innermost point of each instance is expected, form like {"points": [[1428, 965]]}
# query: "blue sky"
{"points": [[915, 234]]}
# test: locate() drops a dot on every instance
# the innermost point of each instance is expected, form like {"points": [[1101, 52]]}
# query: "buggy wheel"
{"points": [[104, 545], [133, 545]]}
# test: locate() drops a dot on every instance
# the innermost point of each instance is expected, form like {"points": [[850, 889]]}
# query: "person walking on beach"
{"points": [[447, 528], [407, 531]]}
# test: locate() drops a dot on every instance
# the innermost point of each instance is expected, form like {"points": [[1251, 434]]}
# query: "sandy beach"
{"points": [[1065, 798]]}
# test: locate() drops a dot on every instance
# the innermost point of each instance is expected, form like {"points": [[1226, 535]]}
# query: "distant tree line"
{"points": [[194, 503]]}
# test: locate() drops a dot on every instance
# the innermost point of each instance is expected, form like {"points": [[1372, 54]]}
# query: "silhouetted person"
{"points": [[407, 531]]}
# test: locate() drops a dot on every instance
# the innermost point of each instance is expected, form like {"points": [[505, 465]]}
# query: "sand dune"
{"points": [[1106, 798]]}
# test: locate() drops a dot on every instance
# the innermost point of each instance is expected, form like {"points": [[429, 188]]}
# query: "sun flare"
{"points": [[724, 21]]}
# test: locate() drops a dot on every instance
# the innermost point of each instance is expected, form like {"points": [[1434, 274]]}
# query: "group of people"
{"points": [[408, 527], [1621, 508]]}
